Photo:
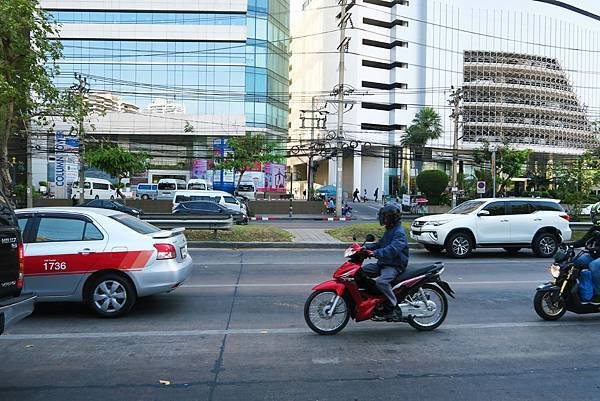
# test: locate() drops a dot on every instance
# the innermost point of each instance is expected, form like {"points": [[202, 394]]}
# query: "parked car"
{"points": [[112, 205], [221, 197], [147, 191], [104, 258], [586, 209], [168, 186], [198, 184], [509, 223], [15, 304], [95, 188], [210, 208]]}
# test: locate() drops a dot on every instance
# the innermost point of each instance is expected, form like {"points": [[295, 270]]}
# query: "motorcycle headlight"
{"points": [[349, 252], [554, 270]]}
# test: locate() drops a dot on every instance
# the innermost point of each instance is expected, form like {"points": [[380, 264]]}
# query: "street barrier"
{"points": [[580, 226], [190, 222]]}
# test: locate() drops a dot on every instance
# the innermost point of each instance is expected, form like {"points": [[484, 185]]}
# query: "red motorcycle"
{"points": [[352, 293]]}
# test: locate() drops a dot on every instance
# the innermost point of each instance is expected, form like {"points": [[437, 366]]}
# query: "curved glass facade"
{"points": [[267, 60]]}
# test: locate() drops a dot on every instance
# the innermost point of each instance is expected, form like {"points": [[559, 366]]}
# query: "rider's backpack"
{"points": [[586, 286]]}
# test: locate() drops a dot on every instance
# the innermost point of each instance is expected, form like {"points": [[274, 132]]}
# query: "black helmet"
{"points": [[389, 215]]}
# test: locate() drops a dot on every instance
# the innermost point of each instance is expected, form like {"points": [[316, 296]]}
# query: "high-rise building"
{"points": [[220, 67], [405, 55]]}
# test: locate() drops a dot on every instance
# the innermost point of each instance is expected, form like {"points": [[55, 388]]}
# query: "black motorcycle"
{"points": [[553, 299]]}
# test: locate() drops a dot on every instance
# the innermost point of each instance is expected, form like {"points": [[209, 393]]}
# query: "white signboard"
{"points": [[480, 187], [406, 200], [66, 165]]}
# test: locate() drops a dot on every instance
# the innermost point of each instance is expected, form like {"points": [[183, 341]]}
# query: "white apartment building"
{"points": [[404, 55]]}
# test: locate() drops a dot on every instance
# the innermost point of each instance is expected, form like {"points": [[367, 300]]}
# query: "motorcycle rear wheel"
{"points": [[316, 317], [541, 304], [435, 294]]}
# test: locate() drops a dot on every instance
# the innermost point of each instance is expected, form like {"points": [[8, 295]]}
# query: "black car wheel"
{"points": [[145, 197], [545, 245], [110, 295], [459, 245]]}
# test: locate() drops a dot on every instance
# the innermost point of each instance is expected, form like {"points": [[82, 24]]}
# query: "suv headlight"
{"points": [[437, 223]]}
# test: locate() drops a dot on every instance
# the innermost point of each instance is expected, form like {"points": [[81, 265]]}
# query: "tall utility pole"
{"points": [[455, 99], [344, 17], [81, 87], [320, 122]]}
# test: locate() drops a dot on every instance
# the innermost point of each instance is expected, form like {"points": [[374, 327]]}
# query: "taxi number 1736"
{"points": [[54, 265]]}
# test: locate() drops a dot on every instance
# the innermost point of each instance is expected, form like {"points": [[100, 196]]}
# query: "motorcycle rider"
{"points": [[591, 260], [391, 252]]}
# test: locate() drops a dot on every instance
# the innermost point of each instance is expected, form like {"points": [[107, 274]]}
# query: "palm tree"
{"points": [[425, 126]]}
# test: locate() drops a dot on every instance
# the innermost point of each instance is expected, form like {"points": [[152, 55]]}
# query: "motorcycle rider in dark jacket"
{"points": [[392, 256], [591, 240]]}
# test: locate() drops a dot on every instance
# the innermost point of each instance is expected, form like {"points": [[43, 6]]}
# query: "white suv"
{"points": [[509, 223]]}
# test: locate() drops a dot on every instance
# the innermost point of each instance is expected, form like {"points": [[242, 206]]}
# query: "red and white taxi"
{"points": [[104, 258]]}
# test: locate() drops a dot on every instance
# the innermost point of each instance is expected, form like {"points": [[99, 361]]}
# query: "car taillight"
{"points": [[21, 253], [566, 217], [165, 251]]}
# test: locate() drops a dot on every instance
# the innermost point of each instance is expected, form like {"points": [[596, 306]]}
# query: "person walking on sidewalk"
{"points": [[355, 197], [365, 195], [376, 194]]}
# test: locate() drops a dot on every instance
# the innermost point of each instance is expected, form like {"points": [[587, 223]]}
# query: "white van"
{"points": [[247, 190], [168, 186], [220, 197], [197, 184], [95, 188]]}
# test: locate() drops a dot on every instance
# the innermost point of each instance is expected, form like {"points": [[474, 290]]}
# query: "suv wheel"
{"points": [[545, 245], [459, 245], [435, 249]]}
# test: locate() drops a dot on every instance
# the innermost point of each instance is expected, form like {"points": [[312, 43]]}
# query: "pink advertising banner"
{"points": [[274, 178]]}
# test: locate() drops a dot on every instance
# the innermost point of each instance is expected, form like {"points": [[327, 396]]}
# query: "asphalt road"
{"points": [[236, 331]]}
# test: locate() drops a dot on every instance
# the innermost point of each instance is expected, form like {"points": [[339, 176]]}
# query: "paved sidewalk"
{"points": [[312, 235]]}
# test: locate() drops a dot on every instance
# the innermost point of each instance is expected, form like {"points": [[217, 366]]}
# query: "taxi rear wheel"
{"points": [[110, 295]]}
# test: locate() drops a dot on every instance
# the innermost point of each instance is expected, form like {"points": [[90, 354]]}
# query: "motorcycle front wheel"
{"points": [[317, 313], [547, 310], [433, 294]]}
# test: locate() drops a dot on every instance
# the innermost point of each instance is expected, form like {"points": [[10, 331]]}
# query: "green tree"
{"points": [[575, 180], [27, 67], [247, 151], [432, 183], [116, 161], [425, 126], [510, 162]]}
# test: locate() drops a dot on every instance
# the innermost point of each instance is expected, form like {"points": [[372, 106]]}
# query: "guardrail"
{"points": [[580, 226], [191, 222]]}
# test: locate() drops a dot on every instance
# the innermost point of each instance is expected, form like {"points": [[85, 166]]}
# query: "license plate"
{"points": [[184, 252]]}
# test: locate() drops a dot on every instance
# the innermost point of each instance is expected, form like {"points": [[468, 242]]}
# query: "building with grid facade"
{"points": [[529, 70], [220, 67], [524, 99]]}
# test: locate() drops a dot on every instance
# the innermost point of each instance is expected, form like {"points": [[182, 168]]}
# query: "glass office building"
{"points": [[175, 81]]}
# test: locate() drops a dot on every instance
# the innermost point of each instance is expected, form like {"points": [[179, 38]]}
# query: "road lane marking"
{"points": [[314, 284], [263, 331], [505, 262]]}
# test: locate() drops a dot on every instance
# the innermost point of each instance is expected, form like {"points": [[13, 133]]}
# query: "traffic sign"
{"points": [[480, 187]]}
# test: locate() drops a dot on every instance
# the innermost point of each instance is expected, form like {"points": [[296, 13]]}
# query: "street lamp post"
{"points": [[493, 148]]}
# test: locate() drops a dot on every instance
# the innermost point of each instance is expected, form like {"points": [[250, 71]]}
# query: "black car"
{"points": [[14, 304], [209, 208], [112, 205]]}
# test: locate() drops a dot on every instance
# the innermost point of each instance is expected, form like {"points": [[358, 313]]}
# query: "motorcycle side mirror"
{"points": [[370, 238], [354, 237]]}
